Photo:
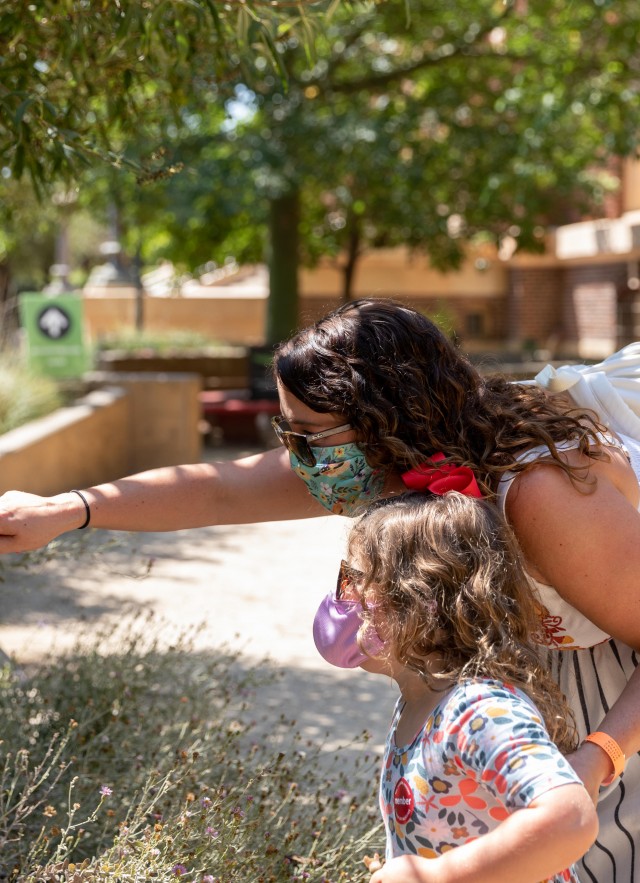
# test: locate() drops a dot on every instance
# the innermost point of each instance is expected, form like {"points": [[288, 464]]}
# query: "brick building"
{"points": [[582, 298]]}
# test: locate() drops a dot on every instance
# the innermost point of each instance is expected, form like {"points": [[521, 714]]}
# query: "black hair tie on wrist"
{"points": [[86, 506]]}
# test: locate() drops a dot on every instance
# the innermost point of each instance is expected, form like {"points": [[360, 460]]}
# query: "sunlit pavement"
{"points": [[252, 587]]}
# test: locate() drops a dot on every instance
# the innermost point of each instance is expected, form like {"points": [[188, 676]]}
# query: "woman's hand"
{"points": [[28, 521]]}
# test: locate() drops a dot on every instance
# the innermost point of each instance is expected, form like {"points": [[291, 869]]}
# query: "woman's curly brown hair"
{"points": [[443, 575], [408, 393]]}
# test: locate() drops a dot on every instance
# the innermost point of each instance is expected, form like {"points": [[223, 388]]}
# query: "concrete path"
{"points": [[252, 587]]}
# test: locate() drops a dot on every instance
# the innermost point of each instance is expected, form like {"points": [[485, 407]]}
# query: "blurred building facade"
{"points": [[581, 298]]}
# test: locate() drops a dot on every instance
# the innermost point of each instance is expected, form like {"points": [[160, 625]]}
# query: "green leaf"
{"points": [[17, 166], [21, 110], [332, 9]]}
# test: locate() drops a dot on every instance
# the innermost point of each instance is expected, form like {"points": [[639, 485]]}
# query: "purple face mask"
{"points": [[335, 630]]}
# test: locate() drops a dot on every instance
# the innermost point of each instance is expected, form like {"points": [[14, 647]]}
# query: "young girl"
{"points": [[473, 787]]}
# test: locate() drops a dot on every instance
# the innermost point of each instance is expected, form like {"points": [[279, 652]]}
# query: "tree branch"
{"points": [[431, 59]]}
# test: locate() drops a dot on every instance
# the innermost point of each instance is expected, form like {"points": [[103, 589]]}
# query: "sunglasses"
{"points": [[300, 444], [347, 577]]}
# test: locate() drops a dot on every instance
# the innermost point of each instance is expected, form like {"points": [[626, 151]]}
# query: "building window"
{"points": [[475, 325]]}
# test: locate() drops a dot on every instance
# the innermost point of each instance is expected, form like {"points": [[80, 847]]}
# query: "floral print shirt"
{"points": [[483, 753]]}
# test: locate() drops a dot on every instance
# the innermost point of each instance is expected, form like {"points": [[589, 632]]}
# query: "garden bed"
{"points": [[146, 420], [226, 368]]}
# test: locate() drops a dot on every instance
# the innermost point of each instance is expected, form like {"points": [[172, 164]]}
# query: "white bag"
{"points": [[611, 388]]}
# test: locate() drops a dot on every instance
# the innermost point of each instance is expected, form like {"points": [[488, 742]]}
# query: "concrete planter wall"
{"points": [[224, 369], [143, 422]]}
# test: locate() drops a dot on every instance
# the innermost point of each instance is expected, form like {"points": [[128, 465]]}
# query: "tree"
{"points": [[393, 122], [478, 117], [474, 118]]}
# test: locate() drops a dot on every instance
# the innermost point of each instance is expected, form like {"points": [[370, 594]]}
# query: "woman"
{"points": [[378, 390]]}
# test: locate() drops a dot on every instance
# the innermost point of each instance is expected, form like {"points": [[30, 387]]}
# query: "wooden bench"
{"points": [[234, 416]]}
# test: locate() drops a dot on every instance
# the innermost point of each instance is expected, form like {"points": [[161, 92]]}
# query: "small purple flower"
{"points": [[178, 870], [208, 878], [105, 791], [206, 801], [211, 831]]}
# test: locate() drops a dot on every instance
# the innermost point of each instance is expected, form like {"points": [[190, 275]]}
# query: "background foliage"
{"points": [[24, 396], [292, 131]]}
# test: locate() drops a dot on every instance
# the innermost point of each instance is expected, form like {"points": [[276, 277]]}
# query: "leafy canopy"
{"points": [[422, 124], [77, 77]]}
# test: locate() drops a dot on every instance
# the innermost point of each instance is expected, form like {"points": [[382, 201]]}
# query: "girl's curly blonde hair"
{"points": [[443, 575]]}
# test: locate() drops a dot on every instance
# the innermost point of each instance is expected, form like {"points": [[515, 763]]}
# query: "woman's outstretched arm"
{"points": [[257, 488]]}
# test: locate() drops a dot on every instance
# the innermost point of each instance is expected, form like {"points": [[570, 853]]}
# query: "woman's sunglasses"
{"points": [[300, 444]]}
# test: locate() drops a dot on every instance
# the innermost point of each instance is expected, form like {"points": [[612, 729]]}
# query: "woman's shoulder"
{"points": [[612, 459], [546, 506], [583, 538], [543, 484]]}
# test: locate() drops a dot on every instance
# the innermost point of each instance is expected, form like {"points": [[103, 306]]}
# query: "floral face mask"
{"points": [[341, 480]]}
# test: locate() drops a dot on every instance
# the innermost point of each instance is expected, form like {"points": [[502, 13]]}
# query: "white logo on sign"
{"points": [[54, 322]]}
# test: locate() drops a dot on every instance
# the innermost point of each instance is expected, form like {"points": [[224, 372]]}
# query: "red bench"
{"points": [[234, 415]]}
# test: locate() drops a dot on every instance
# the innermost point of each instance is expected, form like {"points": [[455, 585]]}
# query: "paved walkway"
{"points": [[252, 587]]}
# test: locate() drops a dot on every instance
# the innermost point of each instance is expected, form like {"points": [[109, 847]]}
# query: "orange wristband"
{"points": [[612, 749]]}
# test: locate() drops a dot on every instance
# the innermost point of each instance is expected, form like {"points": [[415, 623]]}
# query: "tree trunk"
{"points": [[349, 269], [282, 306], [137, 278], [9, 321]]}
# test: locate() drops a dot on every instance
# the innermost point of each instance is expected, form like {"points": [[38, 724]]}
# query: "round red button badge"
{"points": [[403, 801]]}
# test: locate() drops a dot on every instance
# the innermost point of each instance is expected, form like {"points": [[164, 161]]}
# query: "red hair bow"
{"points": [[440, 479]]}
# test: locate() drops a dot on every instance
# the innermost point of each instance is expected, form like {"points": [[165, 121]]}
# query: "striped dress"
{"points": [[592, 670]]}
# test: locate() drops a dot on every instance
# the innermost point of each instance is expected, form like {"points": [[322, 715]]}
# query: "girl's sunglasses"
{"points": [[300, 444], [347, 577]]}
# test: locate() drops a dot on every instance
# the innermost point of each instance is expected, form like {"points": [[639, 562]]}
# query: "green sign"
{"points": [[55, 336]]}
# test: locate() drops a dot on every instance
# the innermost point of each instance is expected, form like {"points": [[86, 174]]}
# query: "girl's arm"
{"points": [[532, 844], [257, 488]]}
